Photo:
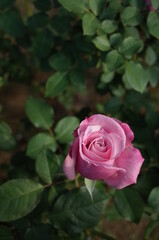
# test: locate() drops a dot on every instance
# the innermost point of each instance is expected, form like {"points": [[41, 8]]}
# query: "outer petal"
{"points": [[130, 160], [96, 171], [128, 132], [69, 167], [70, 161]]}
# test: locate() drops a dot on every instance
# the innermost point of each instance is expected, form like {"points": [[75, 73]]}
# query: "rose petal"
{"points": [[90, 156], [128, 132], [117, 145], [104, 122], [130, 160], [95, 171], [70, 160], [69, 167]]}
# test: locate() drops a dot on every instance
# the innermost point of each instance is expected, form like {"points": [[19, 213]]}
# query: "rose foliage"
{"points": [[92, 68]]}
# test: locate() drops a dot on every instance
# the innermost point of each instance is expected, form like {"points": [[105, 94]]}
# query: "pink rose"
{"points": [[102, 150]]}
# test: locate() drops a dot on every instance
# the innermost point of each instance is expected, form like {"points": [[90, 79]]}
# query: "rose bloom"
{"points": [[102, 150]]}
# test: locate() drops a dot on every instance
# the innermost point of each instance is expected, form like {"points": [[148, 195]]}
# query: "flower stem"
{"points": [[76, 180]]}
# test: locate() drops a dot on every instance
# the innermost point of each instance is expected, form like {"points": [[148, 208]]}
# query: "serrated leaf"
{"points": [[96, 6], [47, 165], [153, 24], [90, 184], [153, 199], [136, 76], [7, 141], [74, 211], [129, 203], [65, 128], [56, 84], [77, 77], [89, 24], [130, 46], [60, 62], [115, 39], [18, 198], [131, 16], [114, 60], [11, 23], [151, 56], [102, 43], [39, 112], [42, 43], [38, 143], [108, 26], [37, 20], [78, 6]]}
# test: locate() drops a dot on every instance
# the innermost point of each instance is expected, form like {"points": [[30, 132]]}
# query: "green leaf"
{"points": [[96, 6], [115, 39], [56, 84], [38, 20], [149, 228], [153, 24], [47, 165], [131, 16], [138, 4], [155, 4], [42, 5], [147, 182], [5, 233], [151, 56], [90, 184], [11, 23], [108, 26], [42, 43], [6, 3], [130, 46], [38, 143], [60, 62], [78, 6], [40, 232], [137, 77], [129, 203], [153, 199], [74, 211], [153, 75], [107, 77], [65, 128], [113, 105], [39, 112], [7, 141], [89, 24], [18, 198], [77, 77], [114, 60], [102, 43]]}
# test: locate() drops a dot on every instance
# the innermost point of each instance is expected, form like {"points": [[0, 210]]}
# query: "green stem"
{"points": [[76, 180]]}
